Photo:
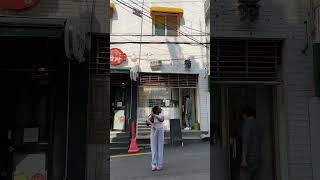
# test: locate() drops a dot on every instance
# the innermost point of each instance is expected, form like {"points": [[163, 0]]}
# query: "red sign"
{"points": [[18, 4], [122, 119], [117, 56]]}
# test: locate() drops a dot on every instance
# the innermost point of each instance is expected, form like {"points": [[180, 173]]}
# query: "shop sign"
{"points": [[119, 120], [117, 56], [18, 4]]}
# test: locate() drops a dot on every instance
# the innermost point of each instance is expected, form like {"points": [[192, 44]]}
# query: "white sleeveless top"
{"points": [[156, 122]]}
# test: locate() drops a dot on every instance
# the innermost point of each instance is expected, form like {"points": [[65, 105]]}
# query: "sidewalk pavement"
{"points": [[190, 162]]}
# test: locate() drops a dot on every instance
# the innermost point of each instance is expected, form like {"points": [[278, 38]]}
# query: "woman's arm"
{"points": [[159, 117], [149, 119]]}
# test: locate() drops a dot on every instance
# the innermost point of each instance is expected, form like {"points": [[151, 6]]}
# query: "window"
{"points": [[165, 25]]}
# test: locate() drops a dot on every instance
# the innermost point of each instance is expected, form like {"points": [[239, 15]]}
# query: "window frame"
{"points": [[166, 24]]}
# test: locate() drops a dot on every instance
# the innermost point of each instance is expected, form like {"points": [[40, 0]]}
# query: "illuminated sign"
{"points": [[117, 56], [119, 120]]}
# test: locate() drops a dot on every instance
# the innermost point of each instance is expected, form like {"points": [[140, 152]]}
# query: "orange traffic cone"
{"points": [[133, 145]]}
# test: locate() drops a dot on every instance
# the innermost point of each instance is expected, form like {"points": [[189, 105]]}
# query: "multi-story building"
{"points": [[49, 129], [265, 63], [165, 60]]}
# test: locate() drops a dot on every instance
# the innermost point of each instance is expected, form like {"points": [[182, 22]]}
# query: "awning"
{"points": [[120, 71], [31, 27], [168, 80], [112, 8], [157, 9]]}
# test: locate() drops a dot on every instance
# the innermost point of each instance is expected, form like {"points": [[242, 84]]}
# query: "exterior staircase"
{"points": [[119, 142], [143, 136]]}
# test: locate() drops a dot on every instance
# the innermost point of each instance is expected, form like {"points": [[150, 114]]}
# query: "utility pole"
{"points": [[141, 32]]}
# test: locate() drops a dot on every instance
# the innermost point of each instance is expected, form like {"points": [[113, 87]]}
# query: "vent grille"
{"points": [[168, 80], [245, 60], [100, 62]]}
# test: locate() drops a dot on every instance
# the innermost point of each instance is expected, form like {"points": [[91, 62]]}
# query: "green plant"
{"points": [[196, 126]]}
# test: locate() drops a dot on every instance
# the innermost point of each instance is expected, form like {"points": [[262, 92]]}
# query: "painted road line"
{"points": [[128, 155]]}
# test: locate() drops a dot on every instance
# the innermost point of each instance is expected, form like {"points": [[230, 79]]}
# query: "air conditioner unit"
{"points": [[187, 63], [155, 65]]}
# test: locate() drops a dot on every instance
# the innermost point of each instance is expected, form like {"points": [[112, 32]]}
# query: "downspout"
{"points": [[68, 119]]}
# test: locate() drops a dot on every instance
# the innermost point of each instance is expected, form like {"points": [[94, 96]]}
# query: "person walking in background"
{"points": [[156, 137], [251, 144], [188, 112]]}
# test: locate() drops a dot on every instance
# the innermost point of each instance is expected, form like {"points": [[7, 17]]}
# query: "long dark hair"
{"points": [[154, 109]]}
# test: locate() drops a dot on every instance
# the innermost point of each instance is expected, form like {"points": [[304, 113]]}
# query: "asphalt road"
{"points": [[191, 162]]}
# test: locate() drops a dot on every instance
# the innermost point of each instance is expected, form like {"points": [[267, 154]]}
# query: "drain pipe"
{"points": [[68, 118]]}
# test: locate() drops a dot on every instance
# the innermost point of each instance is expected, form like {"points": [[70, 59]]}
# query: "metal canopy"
{"points": [[31, 27], [120, 71]]}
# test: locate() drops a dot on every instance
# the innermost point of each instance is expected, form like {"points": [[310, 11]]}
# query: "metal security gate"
{"points": [[252, 61], [168, 80], [99, 97]]}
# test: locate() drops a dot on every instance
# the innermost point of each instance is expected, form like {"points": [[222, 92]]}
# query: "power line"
{"points": [[171, 59], [131, 12], [203, 44], [146, 45], [167, 3], [163, 50], [161, 23], [153, 42], [148, 35]]}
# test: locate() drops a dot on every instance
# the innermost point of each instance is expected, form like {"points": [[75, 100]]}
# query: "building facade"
{"points": [[265, 60], [314, 103], [160, 40], [47, 72]]}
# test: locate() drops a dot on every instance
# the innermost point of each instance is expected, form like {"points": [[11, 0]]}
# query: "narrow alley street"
{"points": [[190, 162]]}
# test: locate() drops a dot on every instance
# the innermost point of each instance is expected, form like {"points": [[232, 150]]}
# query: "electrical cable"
{"points": [[195, 56], [203, 44], [131, 12], [147, 10]]}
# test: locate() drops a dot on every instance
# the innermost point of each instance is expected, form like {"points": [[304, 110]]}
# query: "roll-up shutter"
{"points": [[168, 80]]}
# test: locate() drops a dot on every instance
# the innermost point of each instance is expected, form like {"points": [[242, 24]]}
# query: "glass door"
{"points": [[190, 93], [32, 131]]}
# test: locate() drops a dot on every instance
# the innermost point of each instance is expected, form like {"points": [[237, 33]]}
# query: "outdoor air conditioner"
{"points": [[155, 65]]}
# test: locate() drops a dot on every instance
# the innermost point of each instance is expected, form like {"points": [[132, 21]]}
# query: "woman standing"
{"points": [[156, 119]]}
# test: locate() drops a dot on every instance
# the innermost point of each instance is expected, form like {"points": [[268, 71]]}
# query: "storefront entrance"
{"points": [[27, 108], [184, 92], [32, 103], [120, 94], [168, 91], [228, 103]]}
